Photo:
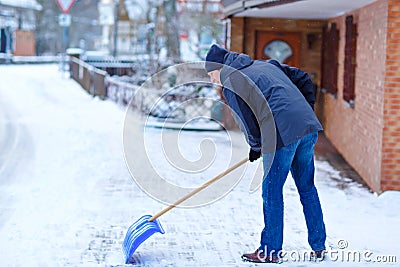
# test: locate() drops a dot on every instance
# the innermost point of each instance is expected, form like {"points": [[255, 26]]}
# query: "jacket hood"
{"points": [[237, 61], [232, 62]]}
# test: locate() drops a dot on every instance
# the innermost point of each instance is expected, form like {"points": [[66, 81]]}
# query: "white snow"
{"points": [[67, 197], [187, 52], [30, 4]]}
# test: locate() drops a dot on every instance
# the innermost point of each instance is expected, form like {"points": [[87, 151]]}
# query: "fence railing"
{"points": [[90, 78]]}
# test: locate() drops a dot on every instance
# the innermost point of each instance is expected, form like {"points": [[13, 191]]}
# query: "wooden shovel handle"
{"points": [[216, 178]]}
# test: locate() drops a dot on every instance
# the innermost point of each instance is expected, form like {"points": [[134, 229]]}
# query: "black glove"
{"points": [[254, 155]]}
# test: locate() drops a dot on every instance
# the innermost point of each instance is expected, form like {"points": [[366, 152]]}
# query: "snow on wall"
{"points": [[29, 4]]}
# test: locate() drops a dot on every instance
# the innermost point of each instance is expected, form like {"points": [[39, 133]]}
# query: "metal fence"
{"points": [[120, 91], [185, 101], [181, 103]]}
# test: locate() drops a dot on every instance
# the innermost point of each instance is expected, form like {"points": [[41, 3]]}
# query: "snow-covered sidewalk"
{"points": [[67, 197]]}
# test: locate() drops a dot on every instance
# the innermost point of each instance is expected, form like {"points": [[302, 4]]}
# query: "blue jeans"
{"points": [[298, 158]]}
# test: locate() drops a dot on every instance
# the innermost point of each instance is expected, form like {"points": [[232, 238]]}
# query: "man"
{"points": [[255, 89]]}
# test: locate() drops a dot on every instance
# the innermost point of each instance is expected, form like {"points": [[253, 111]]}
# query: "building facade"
{"points": [[17, 25], [352, 52]]}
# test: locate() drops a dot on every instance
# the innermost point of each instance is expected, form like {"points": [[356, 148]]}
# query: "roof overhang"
{"points": [[291, 9]]}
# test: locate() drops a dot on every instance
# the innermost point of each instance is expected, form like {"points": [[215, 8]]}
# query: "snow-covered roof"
{"points": [[294, 9], [27, 4]]}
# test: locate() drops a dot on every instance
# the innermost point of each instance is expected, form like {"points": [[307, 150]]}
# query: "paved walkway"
{"points": [[325, 151]]}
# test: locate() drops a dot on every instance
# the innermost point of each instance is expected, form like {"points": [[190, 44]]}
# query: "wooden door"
{"points": [[282, 46]]}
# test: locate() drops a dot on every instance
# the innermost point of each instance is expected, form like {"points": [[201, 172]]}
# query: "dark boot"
{"points": [[259, 257]]}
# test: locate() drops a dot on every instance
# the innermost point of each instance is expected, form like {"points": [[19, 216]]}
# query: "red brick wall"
{"points": [[237, 34], [357, 132], [391, 131]]}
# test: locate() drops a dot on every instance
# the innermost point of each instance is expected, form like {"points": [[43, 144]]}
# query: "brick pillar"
{"points": [[237, 34], [390, 177]]}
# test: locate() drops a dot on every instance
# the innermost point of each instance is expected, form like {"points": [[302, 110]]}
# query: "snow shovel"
{"points": [[147, 225]]}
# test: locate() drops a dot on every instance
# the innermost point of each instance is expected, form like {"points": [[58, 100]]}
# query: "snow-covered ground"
{"points": [[67, 197]]}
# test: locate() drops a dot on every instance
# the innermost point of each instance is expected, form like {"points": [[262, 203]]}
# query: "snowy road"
{"points": [[67, 197], [10, 142]]}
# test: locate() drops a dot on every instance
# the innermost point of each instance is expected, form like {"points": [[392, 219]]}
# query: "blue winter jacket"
{"points": [[288, 95]]}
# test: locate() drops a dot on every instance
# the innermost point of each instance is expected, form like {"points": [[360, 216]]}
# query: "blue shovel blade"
{"points": [[138, 232]]}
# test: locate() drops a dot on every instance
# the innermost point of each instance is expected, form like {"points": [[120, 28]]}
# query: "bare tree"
{"points": [[83, 26], [47, 33]]}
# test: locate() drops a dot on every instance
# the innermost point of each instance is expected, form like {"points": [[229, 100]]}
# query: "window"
{"points": [[329, 62], [350, 61], [278, 50]]}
